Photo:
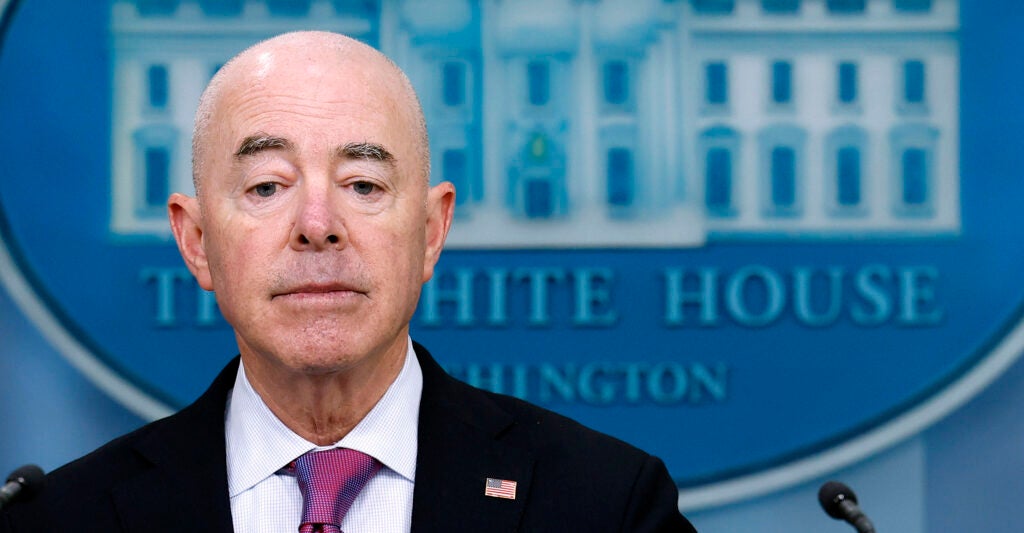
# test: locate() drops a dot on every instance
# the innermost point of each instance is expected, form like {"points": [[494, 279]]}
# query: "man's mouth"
{"points": [[317, 291]]}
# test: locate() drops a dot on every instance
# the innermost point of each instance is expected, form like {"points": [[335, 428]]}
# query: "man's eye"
{"points": [[265, 190], [363, 187]]}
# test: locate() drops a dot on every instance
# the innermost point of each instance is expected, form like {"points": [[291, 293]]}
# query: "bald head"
{"points": [[320, 56]]}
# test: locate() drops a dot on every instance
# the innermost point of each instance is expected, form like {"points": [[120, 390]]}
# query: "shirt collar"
{"points": [[259, 444]]}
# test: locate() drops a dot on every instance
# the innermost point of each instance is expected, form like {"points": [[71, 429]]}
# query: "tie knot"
{"points": [[330, 480]]}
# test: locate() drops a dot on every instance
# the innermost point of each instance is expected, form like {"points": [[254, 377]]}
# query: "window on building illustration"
{"points": [[156, 79], [620, 177], [151, 173], [717, 80], [538, 76], [453, 80], [616, 82], [782, 82], [713, 7], [846, 148], [158, 174], [915, 177], [846, 6], [913, 82], [848, 176], [718, 181], [361, 8], [539, 200], [912, 6], [914, 173], [222, 8], [780, 7], [847, 83], [288, 8], [455, 169], [783, 168], [149, 8]]}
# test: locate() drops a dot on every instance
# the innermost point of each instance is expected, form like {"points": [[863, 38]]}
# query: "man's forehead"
{"points": [[311, 55], [273, 87], [319, 92], [293, 103]]}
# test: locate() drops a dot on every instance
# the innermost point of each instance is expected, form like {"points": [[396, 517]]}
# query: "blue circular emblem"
{"points": [[757, 239]]}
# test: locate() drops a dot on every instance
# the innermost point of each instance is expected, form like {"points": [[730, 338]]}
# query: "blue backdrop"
{"points": [[752, 397]]}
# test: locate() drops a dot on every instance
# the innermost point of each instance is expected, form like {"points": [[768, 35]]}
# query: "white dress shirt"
{"points": [[259, 445]]}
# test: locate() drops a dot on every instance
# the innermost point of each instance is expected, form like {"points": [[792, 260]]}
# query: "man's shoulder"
{"points": [[517, 422], [576, 478], [82, 487], [141, 473], [550, 432]]}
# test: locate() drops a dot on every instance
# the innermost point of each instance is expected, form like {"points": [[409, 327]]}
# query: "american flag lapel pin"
{"points": [[500, 488]]}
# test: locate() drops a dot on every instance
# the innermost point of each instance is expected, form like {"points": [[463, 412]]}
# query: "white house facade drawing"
{"points": [[604, 123], [833, 117]]}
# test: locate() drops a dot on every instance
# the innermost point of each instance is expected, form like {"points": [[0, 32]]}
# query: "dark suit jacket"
{"points": [[171, 475]]}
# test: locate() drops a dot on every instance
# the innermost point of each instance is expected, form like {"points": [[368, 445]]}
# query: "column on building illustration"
{"points": [[625, 167], [667, 111]]}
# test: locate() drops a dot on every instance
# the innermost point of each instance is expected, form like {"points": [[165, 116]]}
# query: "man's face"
{"points": [[316, 228]]}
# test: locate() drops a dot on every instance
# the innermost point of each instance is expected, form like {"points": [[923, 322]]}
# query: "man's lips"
{"points": [[314, 290]]}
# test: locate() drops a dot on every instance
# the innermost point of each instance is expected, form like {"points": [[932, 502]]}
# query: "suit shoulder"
{"points": [[549, 431], [508, 418], [572, 467], [161, 457], [82, 486]]}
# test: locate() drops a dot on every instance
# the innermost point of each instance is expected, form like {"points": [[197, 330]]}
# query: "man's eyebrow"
{"points": [[260, 142], [366, 151]]}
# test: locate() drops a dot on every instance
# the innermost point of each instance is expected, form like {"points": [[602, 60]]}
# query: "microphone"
{"points": [[840, 503], [22, 483]]}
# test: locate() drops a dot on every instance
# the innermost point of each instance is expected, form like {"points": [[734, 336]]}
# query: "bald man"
{"points": [[315, 224]]}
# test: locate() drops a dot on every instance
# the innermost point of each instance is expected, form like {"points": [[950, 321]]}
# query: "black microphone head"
{"points": [[833, 493], [30, 477]]}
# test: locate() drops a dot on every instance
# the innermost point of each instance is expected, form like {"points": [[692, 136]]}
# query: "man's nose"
{"points": [[318, 221]]}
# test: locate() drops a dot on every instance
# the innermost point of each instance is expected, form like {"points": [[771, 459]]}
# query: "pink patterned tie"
{"points": [[330, 480]]}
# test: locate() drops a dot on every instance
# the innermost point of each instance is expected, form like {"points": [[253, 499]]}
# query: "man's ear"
{"points": [[440, 210], [186, 223]]}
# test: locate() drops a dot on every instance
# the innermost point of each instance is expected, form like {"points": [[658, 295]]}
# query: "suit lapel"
{"points": [[186, 488], [459, 447]]}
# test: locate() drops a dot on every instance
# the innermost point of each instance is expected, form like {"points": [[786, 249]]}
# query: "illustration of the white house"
{"points": [[604, 123]]}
